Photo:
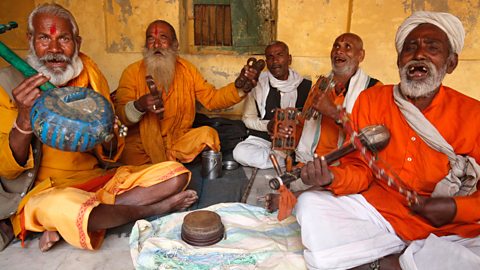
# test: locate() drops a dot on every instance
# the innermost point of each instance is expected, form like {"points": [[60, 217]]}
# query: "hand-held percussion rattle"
{"points": [[68, 118], [154, 91], [286, 118], [374, 138], [243, 82], [323, 84]]}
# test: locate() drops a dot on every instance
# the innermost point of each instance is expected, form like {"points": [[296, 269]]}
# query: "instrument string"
{"points": [[383, 171]]}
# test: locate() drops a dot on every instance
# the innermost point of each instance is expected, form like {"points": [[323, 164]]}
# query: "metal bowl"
{"points": [[230, 165]]}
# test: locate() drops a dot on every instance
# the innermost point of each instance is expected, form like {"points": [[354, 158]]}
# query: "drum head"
{"points": [[72, 118], [202, 228]]}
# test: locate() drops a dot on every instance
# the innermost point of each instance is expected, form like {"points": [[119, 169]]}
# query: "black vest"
{"points": [[273, 102]]}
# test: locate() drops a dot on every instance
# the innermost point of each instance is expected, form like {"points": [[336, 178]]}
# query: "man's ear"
{"points": [[79, 42], [289, 59], [452, 63], [362, 56], [175, 44]]}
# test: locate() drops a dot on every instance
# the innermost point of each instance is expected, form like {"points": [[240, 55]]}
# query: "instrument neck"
{"points": [[22, 66]]}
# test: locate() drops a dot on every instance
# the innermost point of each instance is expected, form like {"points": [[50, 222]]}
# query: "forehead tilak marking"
{"points": [[53, 29]]}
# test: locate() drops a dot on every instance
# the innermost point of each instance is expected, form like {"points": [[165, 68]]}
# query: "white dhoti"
{"points": [[346, 231], [255, 152]]}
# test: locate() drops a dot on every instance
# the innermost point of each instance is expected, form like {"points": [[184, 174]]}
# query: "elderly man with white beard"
{"points": [[71, 196], [153, 138], [425, 215], [322, 135]]}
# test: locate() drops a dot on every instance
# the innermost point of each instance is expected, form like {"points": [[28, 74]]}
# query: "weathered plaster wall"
{"points": [[113, 34]]}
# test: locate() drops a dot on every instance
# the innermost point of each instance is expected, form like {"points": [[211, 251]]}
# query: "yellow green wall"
{"points": [[113, 34]]}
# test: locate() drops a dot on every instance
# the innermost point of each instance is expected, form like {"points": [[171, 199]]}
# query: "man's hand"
{"points": [[149, 103], [25, 95], [282, 132], [323, 104], [438, 211], [316, 173]]}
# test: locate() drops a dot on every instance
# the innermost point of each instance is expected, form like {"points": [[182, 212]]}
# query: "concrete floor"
{"points": [[114, 253]]}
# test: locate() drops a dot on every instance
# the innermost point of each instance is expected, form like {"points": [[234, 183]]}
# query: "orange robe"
{"points": [[172, 138], [53, 204], [456, 118], [330, 131]]}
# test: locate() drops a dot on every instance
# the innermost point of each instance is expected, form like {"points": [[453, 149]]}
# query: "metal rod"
{"points": [[248, 188]]}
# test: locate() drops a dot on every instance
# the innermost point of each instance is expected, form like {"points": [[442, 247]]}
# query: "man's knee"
{"points": [[307, 200], [180, 181], [239, 153]]}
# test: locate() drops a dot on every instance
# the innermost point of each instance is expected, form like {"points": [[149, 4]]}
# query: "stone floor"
{"points": [[114, 253]]}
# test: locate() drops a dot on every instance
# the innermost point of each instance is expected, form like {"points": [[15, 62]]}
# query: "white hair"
{"points": [[56, 10]]}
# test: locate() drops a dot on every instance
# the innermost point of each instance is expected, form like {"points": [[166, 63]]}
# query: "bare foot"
{"points": [[47, 240], [271, 202], [176, 202]]}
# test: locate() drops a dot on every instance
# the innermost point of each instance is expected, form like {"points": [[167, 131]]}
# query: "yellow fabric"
{"points": [[172, 138], [66, 210], [58, 168]]}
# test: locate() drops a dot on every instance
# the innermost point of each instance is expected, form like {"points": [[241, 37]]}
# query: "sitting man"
{"points": [[279, 87], [153, 139], [322, 135], [431, 221], [72, 196]]}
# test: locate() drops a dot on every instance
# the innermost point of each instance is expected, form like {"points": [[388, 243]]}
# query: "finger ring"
{"points": [[154, 107]]}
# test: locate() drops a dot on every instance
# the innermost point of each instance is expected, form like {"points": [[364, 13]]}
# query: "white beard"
{"points": [[161, 67], [58, 76], [424, 88], [346, 70]]}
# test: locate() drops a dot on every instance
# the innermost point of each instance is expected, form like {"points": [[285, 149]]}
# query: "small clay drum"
{"points": [[202, 228]]}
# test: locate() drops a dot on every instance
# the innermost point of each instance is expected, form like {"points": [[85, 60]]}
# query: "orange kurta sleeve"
{"points": [[129, 89], [9, 168], [210, 97], [418, 166]]}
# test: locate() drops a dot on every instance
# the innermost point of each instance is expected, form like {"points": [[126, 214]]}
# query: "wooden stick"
{"points": [[249, 185]]}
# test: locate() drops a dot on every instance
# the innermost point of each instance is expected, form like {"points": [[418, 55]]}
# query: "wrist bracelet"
{"points": [[24, 132]]}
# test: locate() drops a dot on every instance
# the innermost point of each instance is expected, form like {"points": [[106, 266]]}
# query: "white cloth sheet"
{"points": [[255, 239]]}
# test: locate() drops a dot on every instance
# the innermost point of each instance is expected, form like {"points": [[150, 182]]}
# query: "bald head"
{"points": [[347, 54], [353, 38]]}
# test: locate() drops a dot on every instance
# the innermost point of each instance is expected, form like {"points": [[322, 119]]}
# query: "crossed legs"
{"points": [[137, 203]]}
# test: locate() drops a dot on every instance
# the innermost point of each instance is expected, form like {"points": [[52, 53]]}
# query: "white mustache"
{"points": [[57, 57]]}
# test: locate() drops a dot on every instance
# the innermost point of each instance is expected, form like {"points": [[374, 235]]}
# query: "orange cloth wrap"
{"points": [[153, 140]]}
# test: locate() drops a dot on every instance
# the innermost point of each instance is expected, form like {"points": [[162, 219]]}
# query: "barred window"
{"points": [[245, 26], [213, 25]]}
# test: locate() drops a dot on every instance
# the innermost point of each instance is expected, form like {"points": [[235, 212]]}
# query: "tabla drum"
{"points": [[72, 118], [202, 228]]}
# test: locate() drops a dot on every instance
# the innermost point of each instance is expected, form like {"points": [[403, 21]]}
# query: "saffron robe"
{"points": [[53, 204], [154, 140]]}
